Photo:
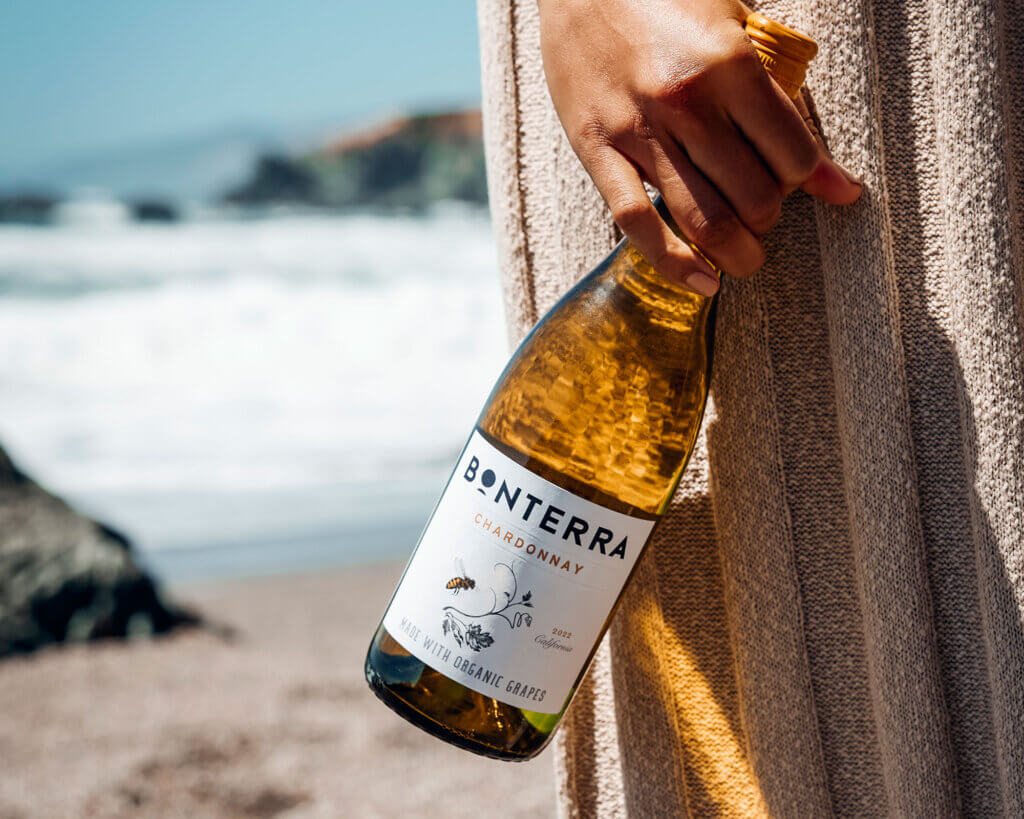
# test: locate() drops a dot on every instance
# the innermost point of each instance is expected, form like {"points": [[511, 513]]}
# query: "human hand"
{"points": [[671, 92]]}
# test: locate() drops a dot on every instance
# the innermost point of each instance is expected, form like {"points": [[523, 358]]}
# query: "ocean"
{"points": [[243, 395]]}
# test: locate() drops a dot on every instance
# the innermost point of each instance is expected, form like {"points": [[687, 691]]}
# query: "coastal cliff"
{"points": [[405, 163]]}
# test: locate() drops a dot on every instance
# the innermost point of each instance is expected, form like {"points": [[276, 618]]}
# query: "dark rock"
{"points": [[28, 208], [277, 179], [406, 163], [153, 210], [65, 577]]}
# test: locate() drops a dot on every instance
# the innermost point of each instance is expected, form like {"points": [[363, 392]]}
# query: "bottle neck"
{"points": [[664, 302], [629, 269]]}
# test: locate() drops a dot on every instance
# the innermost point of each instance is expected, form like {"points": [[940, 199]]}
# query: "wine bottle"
{"points": [[572, 462]]}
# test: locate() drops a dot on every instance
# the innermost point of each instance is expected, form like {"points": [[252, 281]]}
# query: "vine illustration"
{"points": [[472, 635]]}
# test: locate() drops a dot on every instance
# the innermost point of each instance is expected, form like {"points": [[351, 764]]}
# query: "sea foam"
{"points": [[224, 379]]}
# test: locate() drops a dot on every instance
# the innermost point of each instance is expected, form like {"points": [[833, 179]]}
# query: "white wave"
{"points": [[94, 208], [245, 359]]}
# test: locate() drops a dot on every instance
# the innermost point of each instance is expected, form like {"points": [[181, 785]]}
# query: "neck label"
{"points": [[512, 581]]}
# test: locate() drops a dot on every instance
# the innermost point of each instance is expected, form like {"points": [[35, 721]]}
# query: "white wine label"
{"points": [[512, 581]]}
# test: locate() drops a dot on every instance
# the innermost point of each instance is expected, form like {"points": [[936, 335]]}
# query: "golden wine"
{"points": [[573, 460]]}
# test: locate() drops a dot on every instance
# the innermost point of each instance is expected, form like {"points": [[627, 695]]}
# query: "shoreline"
{"points": [[273, 720], [240, 558]]}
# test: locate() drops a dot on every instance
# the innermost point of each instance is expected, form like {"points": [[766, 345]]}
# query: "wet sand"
{"points": [[274, 721]]}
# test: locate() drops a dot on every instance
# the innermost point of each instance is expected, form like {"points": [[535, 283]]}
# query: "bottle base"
{"points": [[425, 723]]}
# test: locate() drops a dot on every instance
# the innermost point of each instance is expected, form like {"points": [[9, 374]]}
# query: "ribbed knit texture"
{"points": [[831, 619]]}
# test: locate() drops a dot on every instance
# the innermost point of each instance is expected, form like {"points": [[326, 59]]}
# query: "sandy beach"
{"points": [[273, 721]]}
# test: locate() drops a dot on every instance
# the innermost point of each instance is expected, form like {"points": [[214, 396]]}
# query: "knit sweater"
{"points": [[831, 618]]}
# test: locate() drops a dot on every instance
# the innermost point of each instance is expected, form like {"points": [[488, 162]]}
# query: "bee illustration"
{"points": [[460, 581]]}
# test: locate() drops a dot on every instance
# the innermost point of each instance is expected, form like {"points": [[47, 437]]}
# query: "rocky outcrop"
{"points": [[406, 163], [27, 207], [277, 180], [153, 210], [65, 577]]}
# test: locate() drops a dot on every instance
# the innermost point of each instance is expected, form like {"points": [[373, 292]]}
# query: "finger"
{"points": [[700, 211], [824, 182], [720, 152], [619, 183], [771, 123], [775, 126], [810, 120]]}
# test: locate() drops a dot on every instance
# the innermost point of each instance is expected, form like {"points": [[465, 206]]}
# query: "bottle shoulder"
{"points": [[609, 388]]}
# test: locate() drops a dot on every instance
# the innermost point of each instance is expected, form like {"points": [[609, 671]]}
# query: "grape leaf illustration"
{"points": [[451, 624], [477, 638]]}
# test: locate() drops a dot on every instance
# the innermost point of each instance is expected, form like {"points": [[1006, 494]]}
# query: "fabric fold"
{"points": [[831, 618]]}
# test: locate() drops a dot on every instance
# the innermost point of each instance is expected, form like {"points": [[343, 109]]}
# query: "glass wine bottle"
{"points": [[573, 460]]}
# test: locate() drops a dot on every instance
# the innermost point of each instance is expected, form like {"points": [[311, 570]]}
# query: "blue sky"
{"points": [[78, 78]]}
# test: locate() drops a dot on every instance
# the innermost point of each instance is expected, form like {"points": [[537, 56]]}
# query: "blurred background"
{"points": [[249, 310]]}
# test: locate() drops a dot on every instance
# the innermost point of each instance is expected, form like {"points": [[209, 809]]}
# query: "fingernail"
{"points": [[702, 283]]}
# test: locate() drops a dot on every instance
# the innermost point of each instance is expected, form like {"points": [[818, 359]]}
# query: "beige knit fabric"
{"points": [[832, 618]]}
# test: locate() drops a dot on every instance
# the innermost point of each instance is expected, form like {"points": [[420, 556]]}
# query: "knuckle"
{"points": [[714, 229], [621, 128], [640, 126], [664, 261], [590, 134], [736, 52], [731, 51], [674, 84], [629, 213], [684, 83], [763, 214], [804, 163], [630, 127]]}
